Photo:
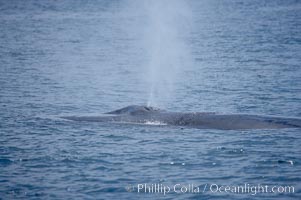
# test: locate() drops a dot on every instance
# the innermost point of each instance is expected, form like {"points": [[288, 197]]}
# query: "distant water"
{"points": [[89, 57]]}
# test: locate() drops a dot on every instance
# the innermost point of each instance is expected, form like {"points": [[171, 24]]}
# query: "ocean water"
{"points": [[66, 57]]}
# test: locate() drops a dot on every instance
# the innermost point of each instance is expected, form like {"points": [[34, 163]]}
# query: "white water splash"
{"points": [[155, 123]]}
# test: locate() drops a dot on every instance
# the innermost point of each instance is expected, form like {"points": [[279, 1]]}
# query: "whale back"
{"points": [[133, 109], [145, 114]]}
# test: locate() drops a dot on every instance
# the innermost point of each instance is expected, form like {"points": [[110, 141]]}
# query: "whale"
{"points": [[136, 114]]}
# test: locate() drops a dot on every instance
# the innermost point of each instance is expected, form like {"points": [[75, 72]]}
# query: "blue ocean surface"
{"points": [[84, 57]]}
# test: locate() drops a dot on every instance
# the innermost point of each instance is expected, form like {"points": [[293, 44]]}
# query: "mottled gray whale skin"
{"points": [[203, 120]]}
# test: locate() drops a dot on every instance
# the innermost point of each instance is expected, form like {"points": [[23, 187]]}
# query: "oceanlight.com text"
{"points": [[251, 189]]}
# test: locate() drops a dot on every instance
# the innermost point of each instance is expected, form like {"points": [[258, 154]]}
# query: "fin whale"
{"points": [[203, 120]]}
